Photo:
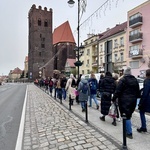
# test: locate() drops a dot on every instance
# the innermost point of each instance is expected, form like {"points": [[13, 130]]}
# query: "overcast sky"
{"points": [[14, 23]]}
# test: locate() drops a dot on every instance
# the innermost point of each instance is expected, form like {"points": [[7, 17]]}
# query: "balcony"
{"points": [[136, 22], [94, 54], [94, 64], [136, 38], [137, 53]]}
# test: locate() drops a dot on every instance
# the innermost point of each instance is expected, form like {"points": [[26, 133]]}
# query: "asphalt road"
{"points": [[11, 104]]}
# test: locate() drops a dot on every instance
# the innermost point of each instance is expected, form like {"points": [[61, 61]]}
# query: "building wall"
{"points": [[144, 45], [40, 41], [62, 51]]}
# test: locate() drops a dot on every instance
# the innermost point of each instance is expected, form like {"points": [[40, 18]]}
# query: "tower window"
{"points": [[39, 22], [42, 45], [46, 24]]}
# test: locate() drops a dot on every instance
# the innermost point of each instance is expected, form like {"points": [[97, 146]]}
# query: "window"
{"points": [[134, 16], [134, 64], [101, 61], [134, 32], [43, 39], [134, 50], [88, 61], [88, 71], [39, 22], [116, 57], [121, 41], [115, 43], [88, 52], [101, 48], [40, 54], [42, 45], [82, 71], [45, 23], [121, 57]]}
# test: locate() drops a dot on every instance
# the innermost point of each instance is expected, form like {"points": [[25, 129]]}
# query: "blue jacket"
{"points": [[95, 81]]}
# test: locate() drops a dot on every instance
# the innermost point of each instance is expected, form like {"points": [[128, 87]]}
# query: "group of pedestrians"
{"points": [[122, 92]]}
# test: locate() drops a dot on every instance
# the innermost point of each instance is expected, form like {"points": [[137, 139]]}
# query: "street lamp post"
{"points": [[78, 63]]}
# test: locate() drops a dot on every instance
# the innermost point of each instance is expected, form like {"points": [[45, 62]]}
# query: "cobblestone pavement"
{"points": [[50, 126]]}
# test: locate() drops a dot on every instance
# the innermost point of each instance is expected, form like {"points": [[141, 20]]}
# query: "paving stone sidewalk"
{"points": [[50, 126]]}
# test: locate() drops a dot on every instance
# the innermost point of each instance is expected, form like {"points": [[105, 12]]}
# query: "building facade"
{"points": [[40, 42], [138, 36]]}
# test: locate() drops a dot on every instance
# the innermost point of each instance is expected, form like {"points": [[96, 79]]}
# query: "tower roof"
{"points": [[63, 33]]}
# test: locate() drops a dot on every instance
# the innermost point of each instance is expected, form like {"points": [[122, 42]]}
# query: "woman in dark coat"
{"points": [[144, 105], [127, 92], [107, 87]]}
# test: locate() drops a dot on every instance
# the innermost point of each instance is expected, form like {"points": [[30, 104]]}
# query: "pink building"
{"points": [[138, 39]]}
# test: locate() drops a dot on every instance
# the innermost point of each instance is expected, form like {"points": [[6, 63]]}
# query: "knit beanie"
{"points": [[127, 71]]}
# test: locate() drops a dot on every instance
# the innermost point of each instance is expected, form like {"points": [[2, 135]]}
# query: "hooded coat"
{"points": [[127, 92], [144, 104], [83, 97], [108, 87]]}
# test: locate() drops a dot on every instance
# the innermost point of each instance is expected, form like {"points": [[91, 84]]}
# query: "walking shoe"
{"points": [[114, 123], [141, 130], [102, 118], [97, 107], [129, 136], [83, 109]]}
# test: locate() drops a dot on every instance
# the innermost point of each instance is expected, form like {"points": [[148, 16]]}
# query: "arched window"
{"points": [[39, 22], [45, 23]]}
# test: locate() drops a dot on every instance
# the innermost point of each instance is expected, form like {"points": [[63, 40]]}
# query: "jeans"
{"points": [[143, 119], [59, 93], [83, 104], [128, 127], [93, 96], [64, 93]]}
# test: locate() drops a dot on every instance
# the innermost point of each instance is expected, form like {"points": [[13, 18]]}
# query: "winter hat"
{"points": [[127, 71]]}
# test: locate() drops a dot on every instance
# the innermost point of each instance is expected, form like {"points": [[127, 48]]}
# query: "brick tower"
{"points": [[40, 42]]}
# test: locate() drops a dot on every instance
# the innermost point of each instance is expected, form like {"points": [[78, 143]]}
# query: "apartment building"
{"points": [[89, 55], [138, 36]]}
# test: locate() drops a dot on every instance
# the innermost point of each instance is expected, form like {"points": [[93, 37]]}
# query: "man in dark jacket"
{"points": [[144, 105], [107, 87], [127, 92]]}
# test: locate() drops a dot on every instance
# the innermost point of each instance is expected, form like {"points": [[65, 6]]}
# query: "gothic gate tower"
{"points": [[39, 42]]}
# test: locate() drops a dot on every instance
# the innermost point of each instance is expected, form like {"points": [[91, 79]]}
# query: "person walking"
{"points": [[108, 87], [71, 87], [84, 91], [127, 92], [59, 90], [51, 86], [93, 90], [63, 85], [144, 104]]}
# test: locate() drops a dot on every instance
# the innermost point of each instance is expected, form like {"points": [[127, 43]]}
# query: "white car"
{"points": [[140, 81]]}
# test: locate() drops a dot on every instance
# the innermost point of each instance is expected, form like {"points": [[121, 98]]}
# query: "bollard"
{"points": [[86, 112], [124, 146], [69, 102]]}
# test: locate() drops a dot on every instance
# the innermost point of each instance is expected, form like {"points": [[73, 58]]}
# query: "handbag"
{"points": [[112, 111]]}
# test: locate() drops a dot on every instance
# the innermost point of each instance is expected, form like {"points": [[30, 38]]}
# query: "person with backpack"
{"points": [[93, 90], [84, 91], [51, 86]]}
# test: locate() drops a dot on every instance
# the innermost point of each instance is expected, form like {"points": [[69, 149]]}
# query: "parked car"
{"points": [[140, 81]]}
